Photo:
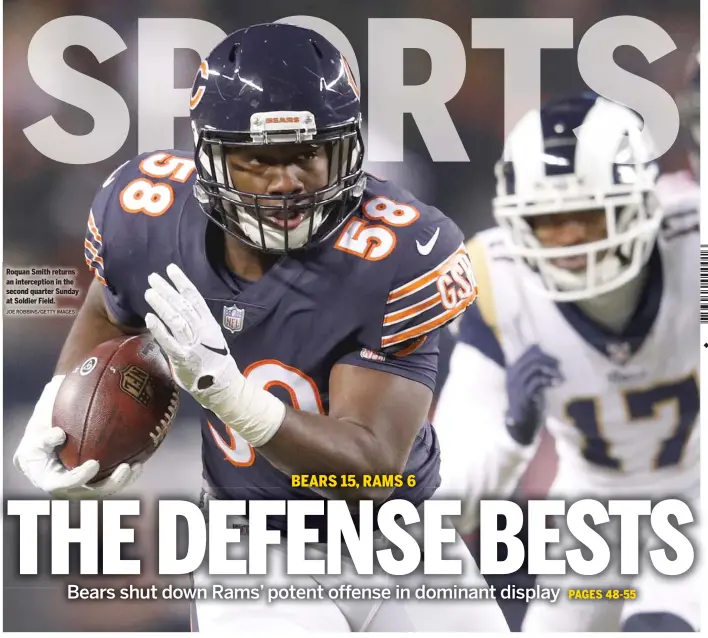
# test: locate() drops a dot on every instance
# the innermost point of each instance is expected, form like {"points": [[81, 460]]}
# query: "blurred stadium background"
{"points": [[46, 205]]}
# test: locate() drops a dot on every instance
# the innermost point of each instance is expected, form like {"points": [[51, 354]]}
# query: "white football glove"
{"points": [[201, 361], [36, 457]]}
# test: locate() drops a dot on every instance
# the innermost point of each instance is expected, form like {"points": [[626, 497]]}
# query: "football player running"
{"points": [[586, 323], [299, 301], [670, 604]]}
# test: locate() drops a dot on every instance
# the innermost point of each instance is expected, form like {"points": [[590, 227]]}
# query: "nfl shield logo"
{"points": [[233, 318]]}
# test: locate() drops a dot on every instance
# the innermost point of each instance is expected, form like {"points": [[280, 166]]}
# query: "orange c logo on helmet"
{"points": [[199, 93], [350, 76]]}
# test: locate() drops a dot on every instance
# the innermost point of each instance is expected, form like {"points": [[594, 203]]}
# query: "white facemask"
{"points": [[601, 179]]}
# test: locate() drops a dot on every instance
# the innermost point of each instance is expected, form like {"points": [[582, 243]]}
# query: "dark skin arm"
{"points": [[373, 420], [93, 326]]}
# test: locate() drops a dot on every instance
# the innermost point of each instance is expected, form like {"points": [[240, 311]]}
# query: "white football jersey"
{"points": [[625, 417]]}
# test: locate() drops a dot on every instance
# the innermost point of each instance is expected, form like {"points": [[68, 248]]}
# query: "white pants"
{"points": [[230, 617], [655, 593]]}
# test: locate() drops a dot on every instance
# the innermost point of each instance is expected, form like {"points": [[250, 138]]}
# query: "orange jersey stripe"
{"points": [[412, 311], [93, 228], [94, 252], [94, 270], [425, 279], [408, 350], [431, 324]]}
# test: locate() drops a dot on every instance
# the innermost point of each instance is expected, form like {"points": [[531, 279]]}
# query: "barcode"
{"points": [[704, 284]]}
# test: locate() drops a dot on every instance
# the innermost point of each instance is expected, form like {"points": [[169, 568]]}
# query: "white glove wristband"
{"points": [[49, 394], [208, 372], [253, 412], [41, 415]]}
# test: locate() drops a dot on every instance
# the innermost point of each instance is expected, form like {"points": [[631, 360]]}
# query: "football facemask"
{"points": [[550, 167]]}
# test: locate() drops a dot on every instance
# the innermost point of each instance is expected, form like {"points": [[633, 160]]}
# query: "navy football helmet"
{"points": [[277, 84]]}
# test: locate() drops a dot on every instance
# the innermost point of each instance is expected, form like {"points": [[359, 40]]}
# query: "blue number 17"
{"points": [[585, 414]]}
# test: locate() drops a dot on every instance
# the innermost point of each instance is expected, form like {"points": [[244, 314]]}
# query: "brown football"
{"points": [[117, 405]]}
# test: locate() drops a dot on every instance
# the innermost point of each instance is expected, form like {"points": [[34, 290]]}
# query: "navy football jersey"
{"points": [[374, 295]]}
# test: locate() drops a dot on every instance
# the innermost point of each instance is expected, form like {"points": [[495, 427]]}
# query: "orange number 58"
{"points": [[154, 199]]}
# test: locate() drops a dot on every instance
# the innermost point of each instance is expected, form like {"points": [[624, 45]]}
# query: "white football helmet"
{"points": [[550, 166]]}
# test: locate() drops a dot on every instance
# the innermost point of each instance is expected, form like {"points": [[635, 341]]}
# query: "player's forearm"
{"points": [[480, 459], [476, 464], [497, 471], [316, 444], [505, 461], [491, 468], [91, 328]]}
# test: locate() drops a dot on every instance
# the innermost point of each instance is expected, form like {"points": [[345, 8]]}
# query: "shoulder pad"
{"points": [[433, 282], [679, 197], [478, 249], [148, 186], [418, 259], [677, 192]]}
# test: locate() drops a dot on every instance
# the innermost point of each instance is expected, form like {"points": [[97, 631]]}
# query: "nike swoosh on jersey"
{"points": [[112, 176], [424, 249]]}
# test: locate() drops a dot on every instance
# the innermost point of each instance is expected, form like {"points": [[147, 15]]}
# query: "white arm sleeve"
{"points": [[478, 457]]}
